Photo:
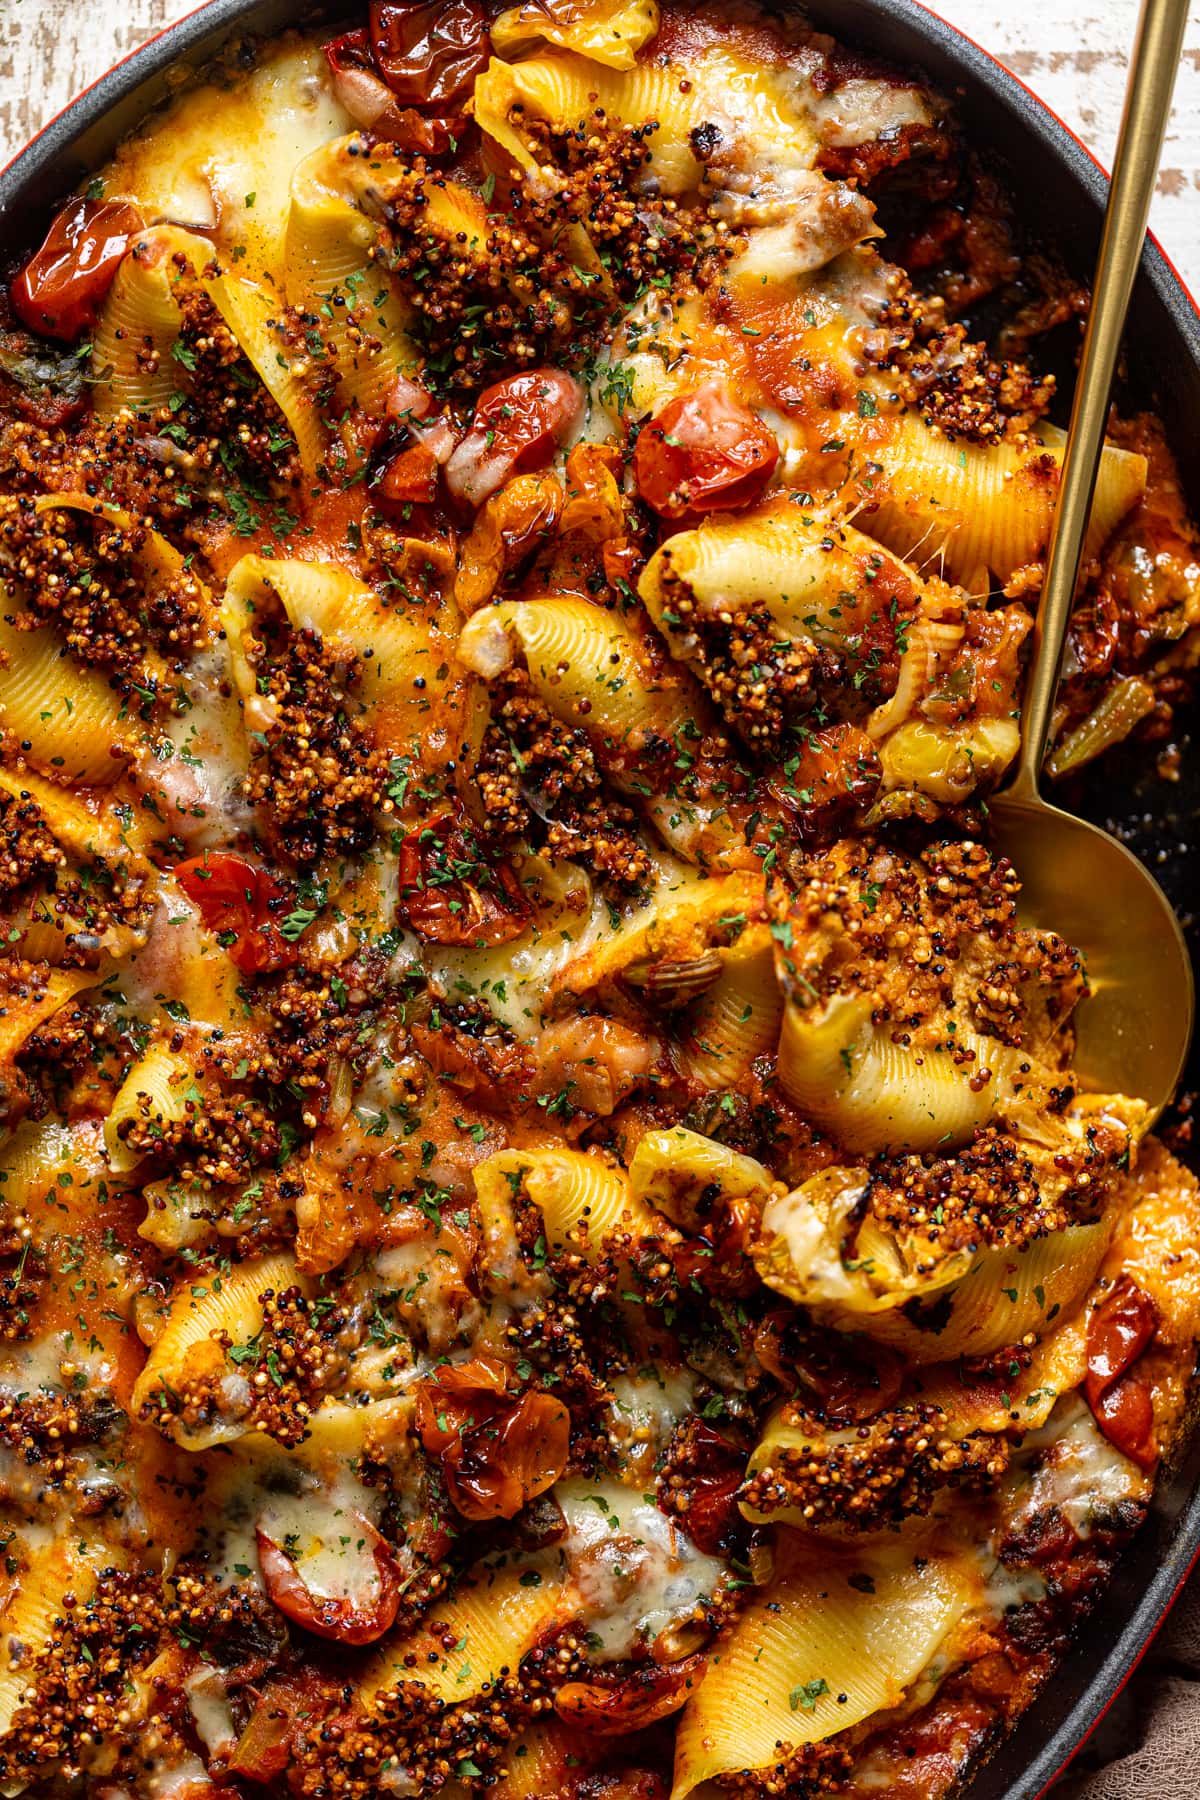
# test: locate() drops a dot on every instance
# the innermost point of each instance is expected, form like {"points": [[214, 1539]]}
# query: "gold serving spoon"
{"points": [[1135, 1027]]}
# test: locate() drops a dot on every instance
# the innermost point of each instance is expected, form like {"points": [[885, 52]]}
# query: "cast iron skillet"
{"points": [[1059, 194]]}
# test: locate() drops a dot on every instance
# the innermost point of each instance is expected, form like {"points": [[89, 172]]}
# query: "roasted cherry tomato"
{"points": [[1119, 1330], [351, 54], [717, 1257], [356, 81], [243, 904], [410, 479], [371, 103], [509, 527], [428, 54], [1125, 1414], [623, 563], [704, 452], [706, 1473], [350, 51], [518, 424], [346, 1619], [451, 894], [497, 1450], [829, 783], [490, 1069], [712, 1520], [59, 290]]}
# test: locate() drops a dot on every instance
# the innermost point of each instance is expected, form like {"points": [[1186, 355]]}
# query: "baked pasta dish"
{"points": [[551, 1245]]}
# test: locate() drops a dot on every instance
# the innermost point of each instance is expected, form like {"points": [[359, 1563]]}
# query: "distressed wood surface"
{"points": [[1072, 52]]}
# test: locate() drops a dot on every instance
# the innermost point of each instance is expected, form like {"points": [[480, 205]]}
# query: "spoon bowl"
{"points": [[1134, 1028]]}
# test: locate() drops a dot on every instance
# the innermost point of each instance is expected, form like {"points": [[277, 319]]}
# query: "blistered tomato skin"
{"points": [[705, 1495], [1119, 1330], [243, 904], [341, 1619], [611, 1706], [1125, 1414], [350, 51], [835, 779], [450, 895], [59, 291], [518, 424], [528, 415], [429, 54], [704, 452], [497, 1450], [371, 103]]}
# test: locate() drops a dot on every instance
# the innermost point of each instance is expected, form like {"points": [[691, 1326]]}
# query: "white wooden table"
{"points": [[1072, 52]]}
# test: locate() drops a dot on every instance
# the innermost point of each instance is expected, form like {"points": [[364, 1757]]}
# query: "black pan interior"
{"points": [[1059, 194]]}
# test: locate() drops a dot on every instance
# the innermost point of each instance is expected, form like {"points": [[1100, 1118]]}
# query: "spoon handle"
{"points": [[1156, 54]]}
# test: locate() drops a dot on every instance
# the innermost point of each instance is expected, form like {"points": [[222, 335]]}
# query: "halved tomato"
{"points": [[429, 51], [518, 424], [497, 1450], [348, 1619], [611, 1705], [704, 452], [243, 904], [1119, 1330], [59, 290], [451, 893]]}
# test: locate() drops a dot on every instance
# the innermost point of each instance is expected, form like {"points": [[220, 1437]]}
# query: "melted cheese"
{"points": [[518, 979], [193, 779], [236, 182], [322, 1536], [645, 1410], [514, 979], [427, 1293], [1080, 1475], [176, 1780], [210, 1709], [636, 1571], [26, 1367], [862, 109], [311, 1499]]}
